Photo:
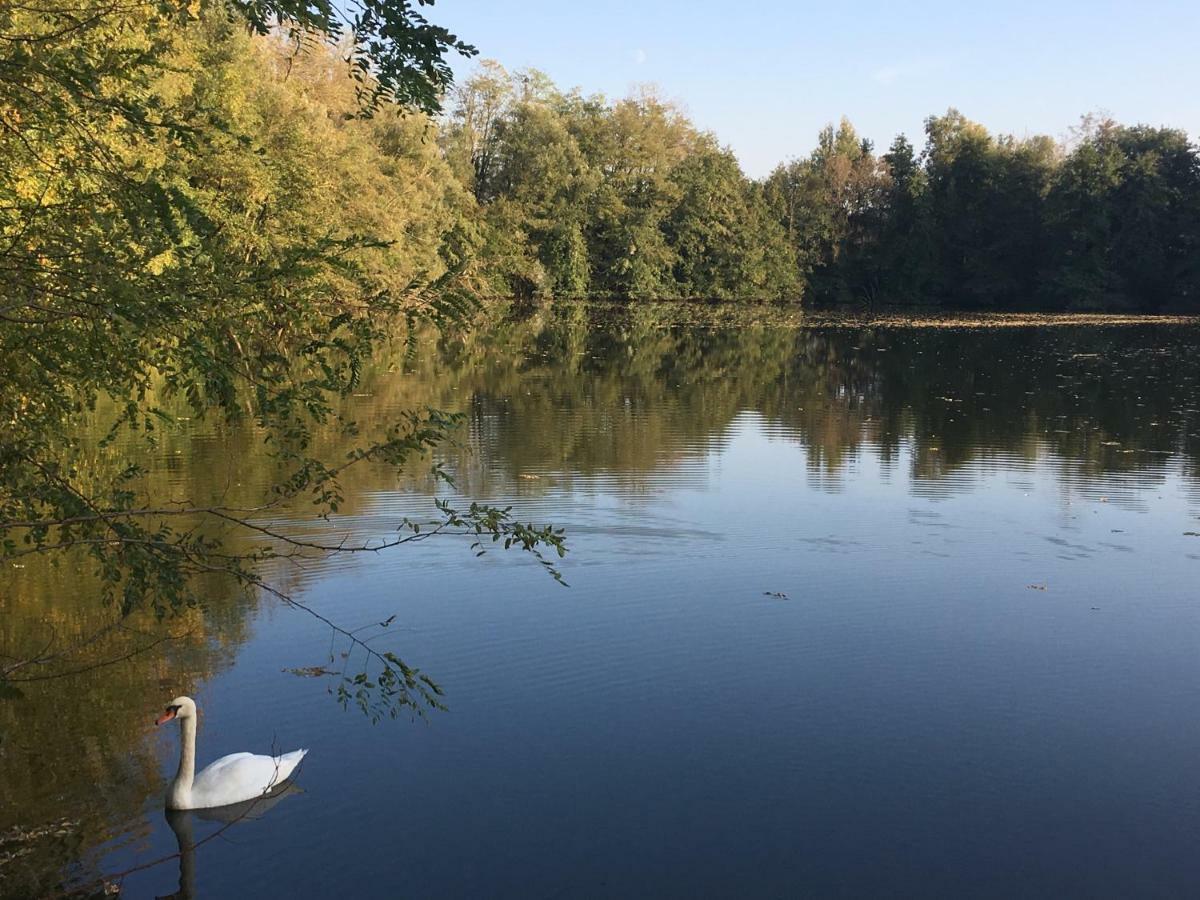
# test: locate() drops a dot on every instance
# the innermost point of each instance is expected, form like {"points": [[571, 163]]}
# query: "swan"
{"points": [[231, 779]]}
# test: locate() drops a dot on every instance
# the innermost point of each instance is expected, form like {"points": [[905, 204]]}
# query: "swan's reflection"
{"points": [[182, 822]]}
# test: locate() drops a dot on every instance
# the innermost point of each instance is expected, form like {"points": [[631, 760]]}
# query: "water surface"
{"points": [[852, 612]]}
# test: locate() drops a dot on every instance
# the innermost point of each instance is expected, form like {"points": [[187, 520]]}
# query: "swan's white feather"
{"points": [[242, 776]]}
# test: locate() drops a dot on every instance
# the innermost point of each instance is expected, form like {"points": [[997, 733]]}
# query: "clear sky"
{"points": [[766, 76]]}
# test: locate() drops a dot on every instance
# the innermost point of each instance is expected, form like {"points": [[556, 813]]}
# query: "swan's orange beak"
{"points": [[166, 717]]}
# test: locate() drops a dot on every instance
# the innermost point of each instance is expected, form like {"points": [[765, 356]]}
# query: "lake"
{"points": [[853, 610]]}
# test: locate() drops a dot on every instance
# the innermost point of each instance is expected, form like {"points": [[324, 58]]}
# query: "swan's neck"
{"points": [[180, 794]]}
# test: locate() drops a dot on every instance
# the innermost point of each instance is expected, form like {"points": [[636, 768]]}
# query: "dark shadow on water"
{"points": [[183, 822]]}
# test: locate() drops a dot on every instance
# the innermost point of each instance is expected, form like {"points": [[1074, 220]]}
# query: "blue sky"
{"points": [[766, 76]]}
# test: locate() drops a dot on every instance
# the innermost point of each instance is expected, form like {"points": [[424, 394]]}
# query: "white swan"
{"points": [[231, 779]]}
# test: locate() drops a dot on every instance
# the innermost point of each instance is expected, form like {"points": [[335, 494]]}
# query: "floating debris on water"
{"points": [[310, 671]]}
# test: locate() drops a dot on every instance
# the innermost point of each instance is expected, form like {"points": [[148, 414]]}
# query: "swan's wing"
{"points": [[214, 768], [241, 776]]}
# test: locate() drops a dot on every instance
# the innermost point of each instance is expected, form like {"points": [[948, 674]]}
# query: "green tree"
{"points": [[542, 171], [190, 214], [725, 241], [471, 139], [986, 198], [904, 253], [624, 200], [1124, 220], [831, 205]]}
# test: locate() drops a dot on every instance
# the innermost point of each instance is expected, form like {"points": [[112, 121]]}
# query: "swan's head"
{"points": [[179, 708]]}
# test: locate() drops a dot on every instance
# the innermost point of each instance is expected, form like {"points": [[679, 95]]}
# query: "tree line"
{"points": [[577, 196]]}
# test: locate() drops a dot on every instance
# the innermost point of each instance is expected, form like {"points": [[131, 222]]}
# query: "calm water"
{"points": [[853, 612]]}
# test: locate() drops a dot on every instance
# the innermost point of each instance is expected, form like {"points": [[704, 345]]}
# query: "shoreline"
{"points": [[734, 312]]}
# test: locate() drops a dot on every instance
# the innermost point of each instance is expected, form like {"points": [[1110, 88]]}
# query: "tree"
{"points": [[986, 198], [830, 205], [641, 140], [1124, 220], [904, 253], [579, 197], [396, 55], [543, 173], [187, 217], [725, 242], [472, 136]]}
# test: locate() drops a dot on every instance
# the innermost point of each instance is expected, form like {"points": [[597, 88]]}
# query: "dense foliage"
{"points": [[581, 197], [1110, 221], [175, 213], [577, 196], [198, 222]]}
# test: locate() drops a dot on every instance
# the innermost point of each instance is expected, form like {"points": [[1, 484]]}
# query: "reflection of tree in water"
{"points": [[76, 761], [578, 393], [588, 390], [556, 392]]}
